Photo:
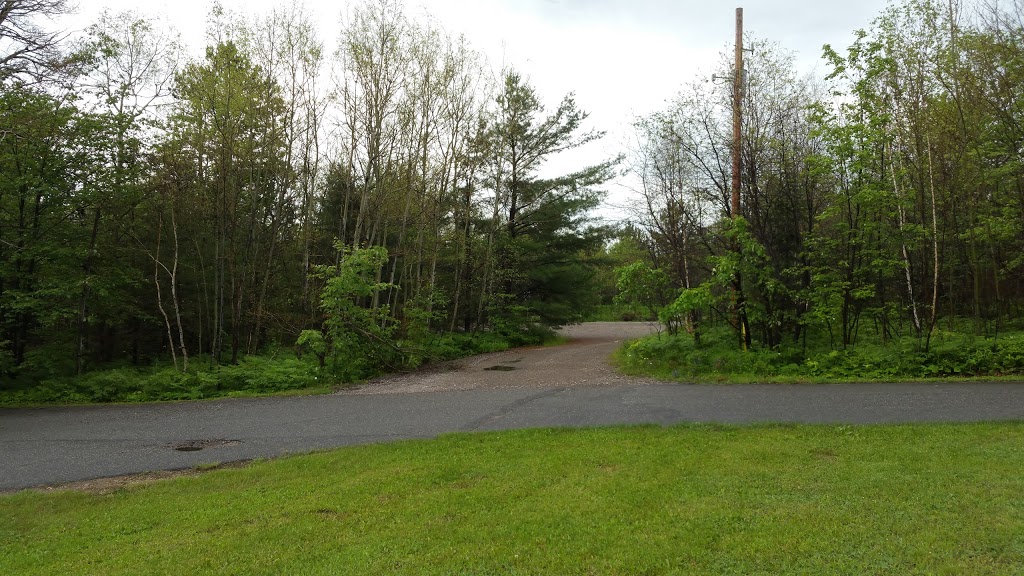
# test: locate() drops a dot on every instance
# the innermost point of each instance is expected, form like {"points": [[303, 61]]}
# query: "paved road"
{"points": [[563, 386]]}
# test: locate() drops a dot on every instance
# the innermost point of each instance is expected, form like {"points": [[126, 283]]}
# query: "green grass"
{"points": [[921, 499]]}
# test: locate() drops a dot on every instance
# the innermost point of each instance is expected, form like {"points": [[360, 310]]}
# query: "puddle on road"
{"points": [[500, 368]]}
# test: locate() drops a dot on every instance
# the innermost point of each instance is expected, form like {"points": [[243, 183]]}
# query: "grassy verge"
{"points": [[921, 499], [719, 359]]}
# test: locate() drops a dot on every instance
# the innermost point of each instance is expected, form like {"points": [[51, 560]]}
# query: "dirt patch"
{"points": [[197, 445], [109, 485]]}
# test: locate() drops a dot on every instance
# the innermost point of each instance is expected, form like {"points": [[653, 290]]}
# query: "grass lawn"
{"points": [[786, 499]]}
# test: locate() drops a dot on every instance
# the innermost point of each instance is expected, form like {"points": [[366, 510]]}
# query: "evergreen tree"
{"points": [[541, 224]]}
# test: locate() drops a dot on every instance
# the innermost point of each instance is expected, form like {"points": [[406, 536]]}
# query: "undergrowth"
{"points": [[719, 357], [619, 313], [276, 373], [252, 375]]}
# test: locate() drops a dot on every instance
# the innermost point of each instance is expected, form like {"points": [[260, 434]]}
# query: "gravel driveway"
{"points": [[581, 362]]}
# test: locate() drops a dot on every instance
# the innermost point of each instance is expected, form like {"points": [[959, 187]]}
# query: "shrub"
{"points": [[253, 374], [952, 355]]}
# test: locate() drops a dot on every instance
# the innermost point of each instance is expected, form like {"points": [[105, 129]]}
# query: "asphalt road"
{"points": [[569, 385]]}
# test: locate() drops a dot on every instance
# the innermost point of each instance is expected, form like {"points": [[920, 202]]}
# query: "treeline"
{"points": [[884, 202], [153, 206]]}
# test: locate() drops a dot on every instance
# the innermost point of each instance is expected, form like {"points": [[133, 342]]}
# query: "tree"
{"points": [[540, 224], [374, 57], [933, 137], [638, 283], [284, 47], [132, 63], [354, 341], [682, 163], [27, 50], [54, 159], [224, 123], [673, 203]]}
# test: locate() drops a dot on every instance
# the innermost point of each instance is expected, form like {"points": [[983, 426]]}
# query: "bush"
{"points": [[253, 374], [619, 312], [460, 344], [951, 355]]}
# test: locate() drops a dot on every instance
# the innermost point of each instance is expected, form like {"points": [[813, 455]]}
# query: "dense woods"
{"points": [[155, 207], [355, 206], [882, 203]]}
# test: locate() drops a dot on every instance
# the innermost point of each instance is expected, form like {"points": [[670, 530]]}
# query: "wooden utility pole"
{"points": [[739, 301], [737, 114]]}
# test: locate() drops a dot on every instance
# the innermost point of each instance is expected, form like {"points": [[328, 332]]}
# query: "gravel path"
{"points": [[581, 362], [570, 385]]}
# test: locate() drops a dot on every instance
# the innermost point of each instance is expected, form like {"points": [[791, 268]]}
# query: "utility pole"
{"points": [[739, 302], [737, 114]]}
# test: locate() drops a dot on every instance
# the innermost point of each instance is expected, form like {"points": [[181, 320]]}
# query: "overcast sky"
{"points": [[622, 58]]}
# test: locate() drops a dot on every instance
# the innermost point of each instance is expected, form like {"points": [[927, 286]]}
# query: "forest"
{"points": [[272, 216], [882, 220]]}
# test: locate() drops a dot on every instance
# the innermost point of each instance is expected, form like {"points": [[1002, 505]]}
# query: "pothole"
{"points": [[197, 445], [500, 368]]}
